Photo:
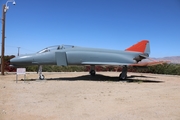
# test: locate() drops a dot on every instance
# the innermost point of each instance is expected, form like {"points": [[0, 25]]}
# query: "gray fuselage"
{"points": [[74, 55]]}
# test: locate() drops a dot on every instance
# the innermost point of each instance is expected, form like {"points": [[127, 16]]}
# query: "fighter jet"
{"points": [[63, 55]]}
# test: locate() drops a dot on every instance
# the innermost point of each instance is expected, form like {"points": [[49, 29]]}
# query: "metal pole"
{"points": [[3, 37], [18, 51]]}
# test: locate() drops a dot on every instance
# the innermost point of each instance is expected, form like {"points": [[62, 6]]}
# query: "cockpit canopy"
{"points": [[57, 47]]}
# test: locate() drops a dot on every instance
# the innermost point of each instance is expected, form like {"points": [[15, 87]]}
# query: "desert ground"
{"points": [[78, 96]]}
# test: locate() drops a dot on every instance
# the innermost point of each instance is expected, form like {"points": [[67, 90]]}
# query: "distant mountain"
{"points": [[171, 59]]}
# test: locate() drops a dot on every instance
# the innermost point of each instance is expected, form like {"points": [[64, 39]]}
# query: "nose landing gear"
{"points": [[41, 76]]}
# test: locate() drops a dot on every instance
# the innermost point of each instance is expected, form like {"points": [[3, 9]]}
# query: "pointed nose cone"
{"points": [[21, 60], [15, 60]]}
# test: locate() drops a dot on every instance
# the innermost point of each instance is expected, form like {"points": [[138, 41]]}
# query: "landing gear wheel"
{"points": [[122, 77], [92, 72], [41, 77]]}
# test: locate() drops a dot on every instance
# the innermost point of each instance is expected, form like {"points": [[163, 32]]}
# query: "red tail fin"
{"points": [[139, 47]]}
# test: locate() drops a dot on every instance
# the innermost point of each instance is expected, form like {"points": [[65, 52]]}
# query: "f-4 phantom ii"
{"points": [[63, 55]]}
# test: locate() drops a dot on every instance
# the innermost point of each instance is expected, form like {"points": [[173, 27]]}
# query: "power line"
{"points": [[20, 47]]}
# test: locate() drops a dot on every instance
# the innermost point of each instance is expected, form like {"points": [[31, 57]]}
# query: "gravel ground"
{"points": [[78, 96]]}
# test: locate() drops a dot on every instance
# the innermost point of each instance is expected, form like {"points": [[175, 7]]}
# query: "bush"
{"points": [[171, 69]]}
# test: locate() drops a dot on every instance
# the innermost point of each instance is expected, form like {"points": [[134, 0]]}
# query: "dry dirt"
{"points": [[78, 96]]}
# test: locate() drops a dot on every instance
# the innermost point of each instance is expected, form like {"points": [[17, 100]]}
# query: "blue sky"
{"points": [[112, 24]]}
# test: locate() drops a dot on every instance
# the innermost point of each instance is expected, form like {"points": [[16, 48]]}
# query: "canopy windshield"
{"points": [[57, 47]]}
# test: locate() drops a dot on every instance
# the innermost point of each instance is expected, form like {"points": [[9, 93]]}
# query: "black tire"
{"points": [[122, 78], [92, 72], [41, 77]]}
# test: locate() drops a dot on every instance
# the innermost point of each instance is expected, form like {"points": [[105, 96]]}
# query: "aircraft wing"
{"points": [[149, 63], [141, 64], [104, 63]]}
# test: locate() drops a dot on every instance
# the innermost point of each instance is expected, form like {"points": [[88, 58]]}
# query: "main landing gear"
{"points": [[123, 74], [92, 72], [41, 76]]}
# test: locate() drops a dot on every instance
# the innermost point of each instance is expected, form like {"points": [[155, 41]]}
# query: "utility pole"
{"points": [[3, 37], [4, 10], [18, 51]]}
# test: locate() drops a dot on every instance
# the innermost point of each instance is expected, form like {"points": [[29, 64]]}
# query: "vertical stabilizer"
{"points": [[142, 46]]}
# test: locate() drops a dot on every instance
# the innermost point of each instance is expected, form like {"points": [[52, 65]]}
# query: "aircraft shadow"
{"points": [[102, 78], [142, 76]]}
